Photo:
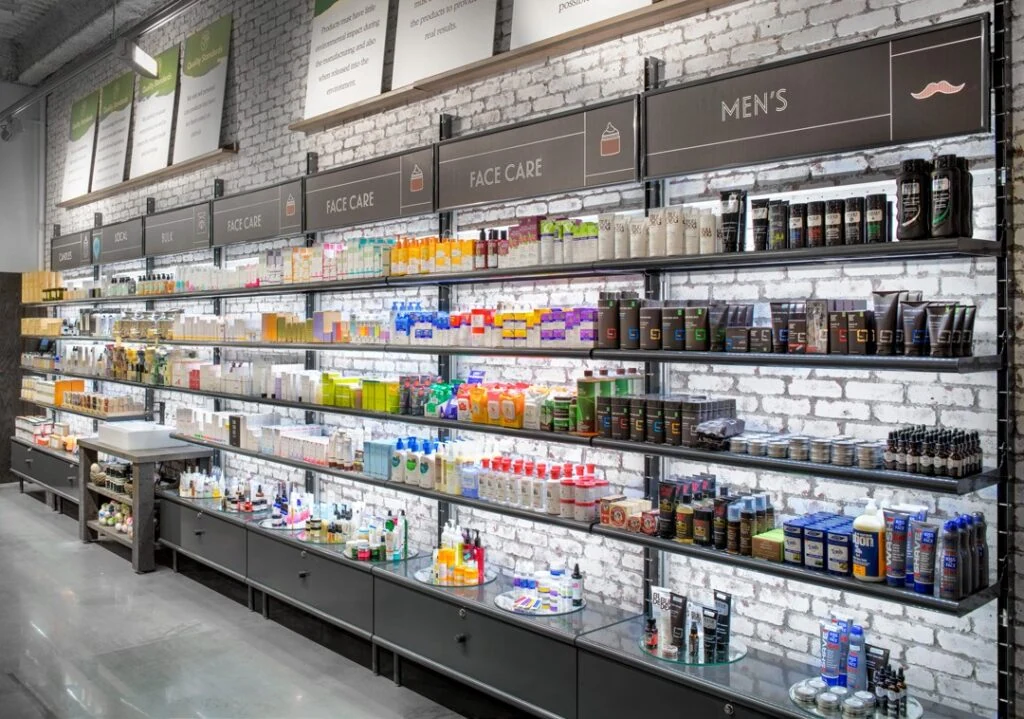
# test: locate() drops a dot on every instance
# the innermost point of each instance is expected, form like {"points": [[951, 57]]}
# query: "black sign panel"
{"points": [[71, 251], [180, 230], [258, 215], [117, 243], [592, 147], [911, 87], [383, 189]]}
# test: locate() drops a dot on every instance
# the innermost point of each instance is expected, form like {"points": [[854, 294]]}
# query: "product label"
{"points": [[796, 223], [875, 215], [814, 220], [852, 217], [868, 550], [833, 218], [757, 213]]}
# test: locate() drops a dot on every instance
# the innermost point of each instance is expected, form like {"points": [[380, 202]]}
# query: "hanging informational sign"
{"points": [[204, 75], [258, 215], [112, 132], [588, 148], [434, 36], [154, 116], [374, 191], [181, 230], [71, 251], [81, 143], [118, 242], [536, 20], [346, 53], [911, 87]]}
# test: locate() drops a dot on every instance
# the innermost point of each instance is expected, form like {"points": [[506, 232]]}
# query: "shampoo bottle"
{"points": [[869, 545]]}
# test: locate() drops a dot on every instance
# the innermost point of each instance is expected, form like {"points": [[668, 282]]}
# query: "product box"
{"points": [[817, 327], [737, 339], [838, 333], [769, 545], [797, 344], [760, 339], [635, 523], [605, 507], [649, 522], [859, 332]]}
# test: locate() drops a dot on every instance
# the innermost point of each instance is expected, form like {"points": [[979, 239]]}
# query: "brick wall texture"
{"points": [[949, 659]]}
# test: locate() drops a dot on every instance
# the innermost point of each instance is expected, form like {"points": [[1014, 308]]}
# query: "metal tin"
{"points": [[869, 455], [805, 695], [854, 707], [778, 449], [827, 703], [799, 448], [757, 446], [738, 444], [843, 452]]}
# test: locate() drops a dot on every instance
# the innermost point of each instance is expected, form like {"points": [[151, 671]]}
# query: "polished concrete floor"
{"points": [[81, 635]]}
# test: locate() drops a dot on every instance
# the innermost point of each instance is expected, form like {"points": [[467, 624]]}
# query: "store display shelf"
{"points": [[108, 533], [90, 415], [896, 363], [396, 486], [69, 457], [949, 248], [109, 493], [942, 485], [810, 576], [151, 178]]}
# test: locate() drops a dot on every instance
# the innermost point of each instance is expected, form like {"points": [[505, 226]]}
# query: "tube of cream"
{"points": [[723, 605], [831, 653], [925, 544], [710, 633], [904, 296], [759, 221], [717, 320], [678, 613], [886, 311], [957, 336], [780, 327], [732, 201], [940, 327], [967, 339], [895, 547], [914, 328]]}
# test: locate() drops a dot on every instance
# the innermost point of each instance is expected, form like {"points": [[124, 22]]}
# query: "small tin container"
{"points": [[799, 448], [827, 703], [821, 451], [843, 452], [757, 446], [869, 455], [842, 692], [805, 695], [738, 444], [854, 708], [817, 684], [778, 449], [867, 697]]}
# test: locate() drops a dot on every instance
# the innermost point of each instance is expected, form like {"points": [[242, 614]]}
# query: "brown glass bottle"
{"points": [[913, 456], [942, 458], [901, 456]]}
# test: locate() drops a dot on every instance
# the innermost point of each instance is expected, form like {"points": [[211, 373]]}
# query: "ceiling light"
{"points": [[138, 59]]}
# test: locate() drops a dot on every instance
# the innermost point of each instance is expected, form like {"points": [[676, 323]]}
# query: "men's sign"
{"points": [[258, 215], [907, 88], [117, 243], [587, 148], [71, 251], [179, 230], [373, 191]]}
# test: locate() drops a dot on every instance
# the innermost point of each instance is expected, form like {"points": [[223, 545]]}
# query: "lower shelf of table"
{"points": [[108, 533]]}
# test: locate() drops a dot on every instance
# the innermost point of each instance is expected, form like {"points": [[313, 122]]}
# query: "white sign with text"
{"points": [[346, 54], [435, 36], [204, 74], [536, 20]]}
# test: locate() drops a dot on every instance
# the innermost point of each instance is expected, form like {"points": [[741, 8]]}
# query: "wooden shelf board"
{"points": [[151, 178], [635, 21]]}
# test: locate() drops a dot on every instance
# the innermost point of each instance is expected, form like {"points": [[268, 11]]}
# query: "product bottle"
{"points": [[913, 190], [694, 642], [966, 556], [869, 545], [946, 200], [397, 462], [577, 586], [856, 662], [901, 692], [950, 567], [981, 541], [427, 467]]}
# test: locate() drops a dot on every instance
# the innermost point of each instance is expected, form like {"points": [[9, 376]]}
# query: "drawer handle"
{"points": [[71, 480], [200, 532], [28, 461], [462, 614], [460, 638], [199, 515], [303, 574], [303, 554], [730, 710]]}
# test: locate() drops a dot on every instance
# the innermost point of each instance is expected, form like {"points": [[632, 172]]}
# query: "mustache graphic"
{"points": [[934, 88]]}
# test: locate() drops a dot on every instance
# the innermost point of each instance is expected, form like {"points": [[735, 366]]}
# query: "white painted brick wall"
{"points": [[948, 658]]}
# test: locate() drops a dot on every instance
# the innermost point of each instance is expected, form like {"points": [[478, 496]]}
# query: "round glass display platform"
{"points": [[805, 695], [269, 523], [426, 575], [737, 650], [517, 603]]}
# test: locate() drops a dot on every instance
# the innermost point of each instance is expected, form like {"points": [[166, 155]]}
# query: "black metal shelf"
{"points": [[896, 363], [958, 608], [947, 248], [396, 486], [90, 415], [941, 485], [810, 576]]}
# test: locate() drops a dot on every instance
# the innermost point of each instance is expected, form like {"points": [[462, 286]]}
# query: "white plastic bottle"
{"points": [[426, 465], [869, 545], [398, 462]]}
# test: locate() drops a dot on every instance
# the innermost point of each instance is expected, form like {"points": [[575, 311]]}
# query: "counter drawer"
{"points": [[647, 695], [536, 669], [339, 591], [43, 468], [169, 528], [218, 541]]}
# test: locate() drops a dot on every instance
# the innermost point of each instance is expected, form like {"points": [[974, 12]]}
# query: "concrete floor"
{"points": [[81, 635]]}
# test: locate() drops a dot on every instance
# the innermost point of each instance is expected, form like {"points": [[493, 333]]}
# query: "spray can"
{"points": [[869, 545], [949, 581], [856, 661]]}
